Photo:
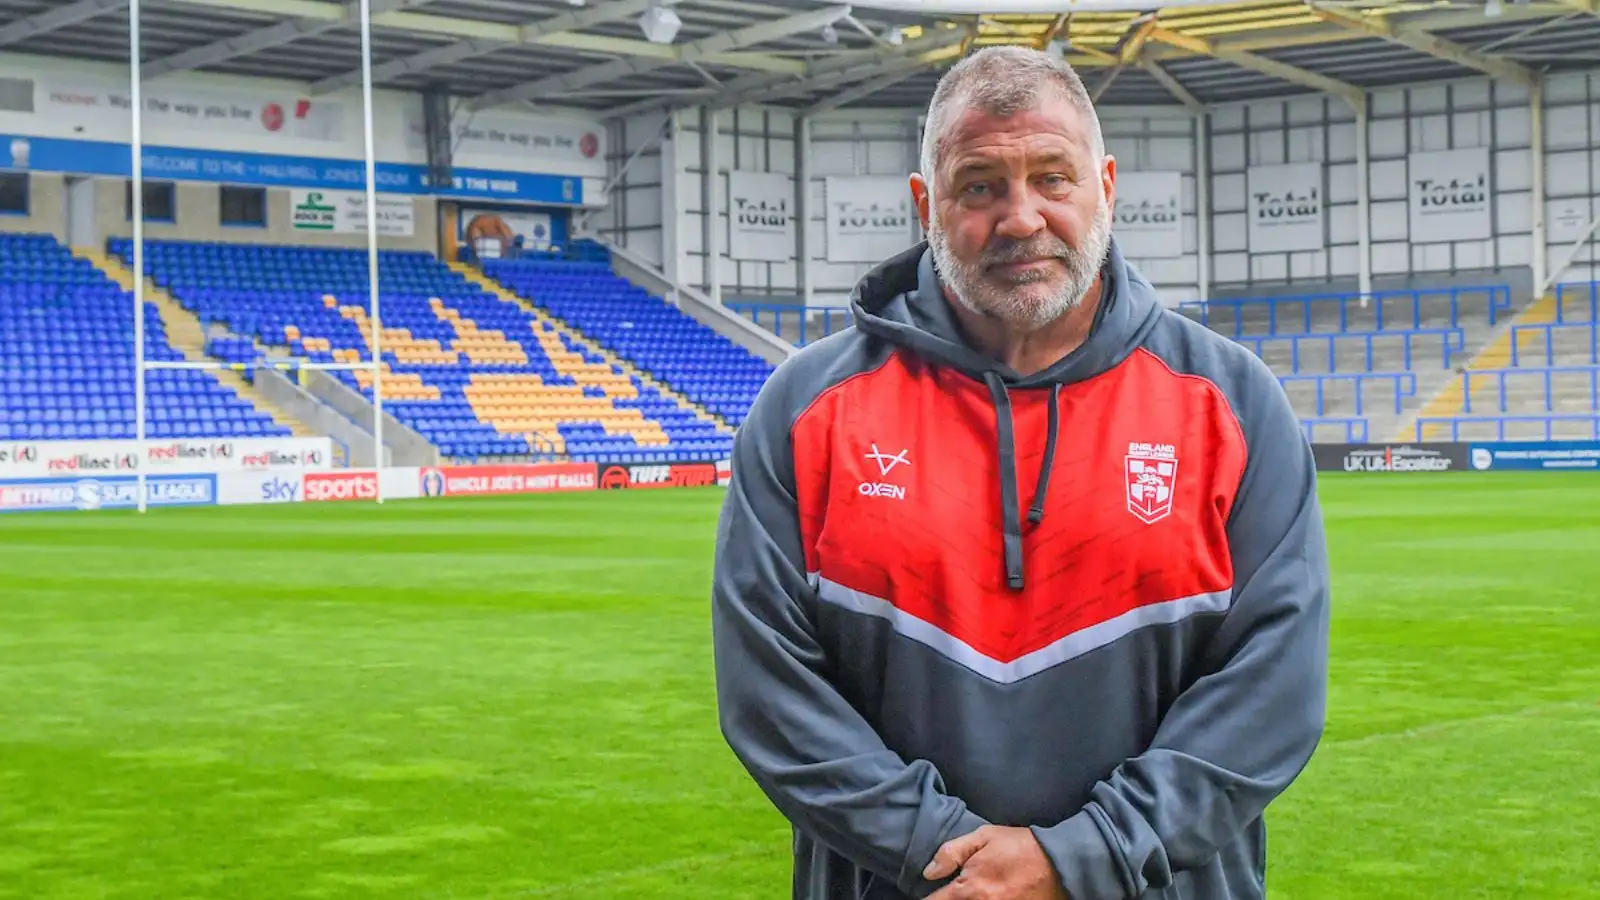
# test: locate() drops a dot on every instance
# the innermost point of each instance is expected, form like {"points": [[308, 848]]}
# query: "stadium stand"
{"points": [[703, 365], [477, 375], [1539, 379], [67, 358], [1458, 363]]}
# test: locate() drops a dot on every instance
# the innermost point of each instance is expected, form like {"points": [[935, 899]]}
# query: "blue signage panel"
{"points": [[267, 170], [111, 492], [1540, 455]]}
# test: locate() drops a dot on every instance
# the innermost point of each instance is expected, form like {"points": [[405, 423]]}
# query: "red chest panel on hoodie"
{"points": [[898, 480]]}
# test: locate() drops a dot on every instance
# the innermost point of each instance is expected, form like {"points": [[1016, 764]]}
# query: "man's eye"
{"points": [[977, 187], [1056, 180]]}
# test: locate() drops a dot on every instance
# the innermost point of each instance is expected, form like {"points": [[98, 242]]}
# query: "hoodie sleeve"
{"points": [[813, 755], [1237, 737]]}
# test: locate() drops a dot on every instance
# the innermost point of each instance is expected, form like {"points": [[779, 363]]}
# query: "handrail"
{"points": [[1403, 383], [1498, 300], [1547, 375], [702, 308], [834, 318], [1550, 330], [1581, 294], [1451, 341], [1355, 428], [1500, 423]]}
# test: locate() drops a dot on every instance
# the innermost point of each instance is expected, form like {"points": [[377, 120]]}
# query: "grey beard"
{"points": [[983, 298]]}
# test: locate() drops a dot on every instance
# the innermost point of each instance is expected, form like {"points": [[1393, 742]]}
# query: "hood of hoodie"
{"points": [[902, 301]]}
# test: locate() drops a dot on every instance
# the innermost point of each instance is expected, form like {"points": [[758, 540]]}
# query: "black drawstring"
{"points": [[1010, 515], [1036, 513], [1010, 520]]}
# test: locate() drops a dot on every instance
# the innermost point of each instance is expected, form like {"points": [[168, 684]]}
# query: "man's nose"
{"points": [[1023, 216]]}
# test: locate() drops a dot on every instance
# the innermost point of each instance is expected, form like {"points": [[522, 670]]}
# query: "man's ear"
{"points": [[1108, 180], [919, 197]]}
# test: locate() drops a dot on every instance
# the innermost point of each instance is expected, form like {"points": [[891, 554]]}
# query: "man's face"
{"points": [[1020, 220]]}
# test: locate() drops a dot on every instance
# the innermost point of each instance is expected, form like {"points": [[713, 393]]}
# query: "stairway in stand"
{"points": [[187, 335], [489, 284]]}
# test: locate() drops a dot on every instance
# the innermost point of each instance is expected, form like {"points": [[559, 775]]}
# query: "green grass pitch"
{"points": [[497, 699]]}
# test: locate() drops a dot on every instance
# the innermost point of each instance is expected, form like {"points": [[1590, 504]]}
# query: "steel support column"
{"points": [[711, 194], [802, 207], [1363, 202], [1541, 249], [1202, 201]]}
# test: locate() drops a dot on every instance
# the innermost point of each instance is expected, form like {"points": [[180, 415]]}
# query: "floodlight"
{"points": [[659, 24]]}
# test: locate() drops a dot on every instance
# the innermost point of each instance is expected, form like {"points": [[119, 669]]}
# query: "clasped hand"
{"points": [[995, 863]]}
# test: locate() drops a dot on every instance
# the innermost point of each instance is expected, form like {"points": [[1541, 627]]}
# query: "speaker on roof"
{"points": [[436, 134]]}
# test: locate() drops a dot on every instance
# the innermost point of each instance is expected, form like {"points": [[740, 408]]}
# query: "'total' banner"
{"points": [[528, 478], [620, 475], [1286, 208]]}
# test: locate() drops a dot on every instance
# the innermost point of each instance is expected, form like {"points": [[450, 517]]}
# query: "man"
{"points": [[1020, 587]]}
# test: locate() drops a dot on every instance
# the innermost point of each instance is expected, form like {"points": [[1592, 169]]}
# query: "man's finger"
{"points": [[955, 890], [954, 854]]}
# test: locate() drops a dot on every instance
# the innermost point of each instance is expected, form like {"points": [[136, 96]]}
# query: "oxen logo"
{"points": [[1152, 475]]}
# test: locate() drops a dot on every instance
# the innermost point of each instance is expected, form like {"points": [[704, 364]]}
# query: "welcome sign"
{"points": [[1448, 196], [1286, 208]]}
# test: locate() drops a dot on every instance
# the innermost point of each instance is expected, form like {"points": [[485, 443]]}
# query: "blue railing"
{"points": [[1546, 377], [1550, 331], [1391, 310], [776, 315], [1451, 341], [1349, 430], [1401, 384], [1578, 301], [1548, 423]]}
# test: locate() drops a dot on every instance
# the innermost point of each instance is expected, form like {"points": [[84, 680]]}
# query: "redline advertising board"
{"points": [[617, 476], [525, 478], [69, 459]]}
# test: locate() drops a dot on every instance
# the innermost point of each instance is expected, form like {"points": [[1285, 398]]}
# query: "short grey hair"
{"points": [[1004, 80]]}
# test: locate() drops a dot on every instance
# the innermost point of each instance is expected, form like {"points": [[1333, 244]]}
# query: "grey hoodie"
{"points": [[1133, 665]]}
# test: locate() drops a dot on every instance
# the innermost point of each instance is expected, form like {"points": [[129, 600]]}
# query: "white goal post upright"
{"points": [[372, 243], [141, 365], [136, 162]]}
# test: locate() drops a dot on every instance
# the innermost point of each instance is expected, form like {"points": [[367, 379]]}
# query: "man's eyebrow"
{"points": [[973, 167]]}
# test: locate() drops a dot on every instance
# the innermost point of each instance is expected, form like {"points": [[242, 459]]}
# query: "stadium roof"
{"points": [[813, 54]]}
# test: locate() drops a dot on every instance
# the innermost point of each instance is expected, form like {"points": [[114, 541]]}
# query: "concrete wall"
{"points": [[198, 217], [47, 208]]}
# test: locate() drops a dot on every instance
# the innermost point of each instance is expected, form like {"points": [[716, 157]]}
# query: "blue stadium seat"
{"points": [[445, 339], [67, 357]]}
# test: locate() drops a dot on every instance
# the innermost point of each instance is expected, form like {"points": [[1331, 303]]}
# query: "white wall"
{"points": [[751, 139], [1161, 139], [1572, 171], [853, 142], [1463, 114], [73, 99], [663, 216], [635, 211]]}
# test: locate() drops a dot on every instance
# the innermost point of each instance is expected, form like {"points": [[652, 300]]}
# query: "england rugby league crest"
{"points": [[1152, 474]]}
